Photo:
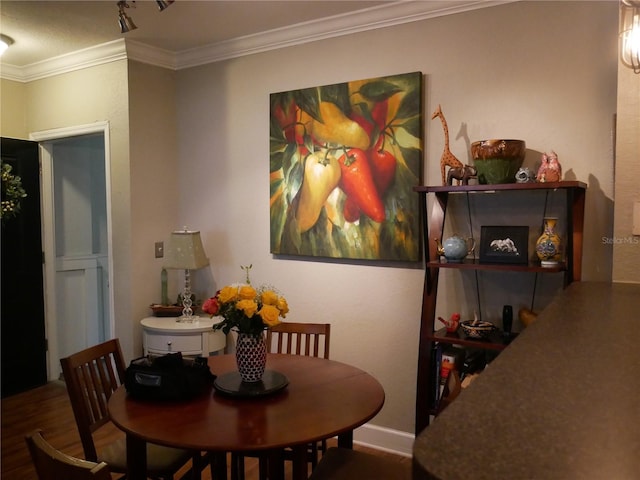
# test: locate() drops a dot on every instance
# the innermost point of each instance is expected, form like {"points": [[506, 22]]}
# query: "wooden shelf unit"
{"points": [[433, 225]]}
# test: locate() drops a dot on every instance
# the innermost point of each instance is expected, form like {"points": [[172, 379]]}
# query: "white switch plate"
{"points": [[636, 218]]}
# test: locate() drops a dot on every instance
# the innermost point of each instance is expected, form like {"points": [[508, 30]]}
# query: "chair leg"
{"points": [[237, 466], [263, 467]]}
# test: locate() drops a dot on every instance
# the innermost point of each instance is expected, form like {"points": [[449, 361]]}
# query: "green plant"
{"points": [[12, 193]]}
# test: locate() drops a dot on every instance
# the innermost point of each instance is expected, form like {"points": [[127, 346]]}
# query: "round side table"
{"points": [[162, 335]]}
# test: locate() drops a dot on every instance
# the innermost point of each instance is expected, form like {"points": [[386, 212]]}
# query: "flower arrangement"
{"points": [[12, 193], [245, 308]]}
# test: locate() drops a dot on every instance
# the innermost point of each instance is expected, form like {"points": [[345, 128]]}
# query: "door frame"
{"points": [[48, 230]]}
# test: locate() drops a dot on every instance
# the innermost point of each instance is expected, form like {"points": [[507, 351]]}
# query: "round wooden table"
{"points": [[323, 399]]}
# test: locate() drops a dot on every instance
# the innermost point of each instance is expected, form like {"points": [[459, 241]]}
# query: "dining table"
{"points": [[303, 400]]}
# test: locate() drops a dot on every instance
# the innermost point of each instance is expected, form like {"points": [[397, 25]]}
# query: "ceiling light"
{"points": [[125, 22], [5, 42], [162, 4], [630, 34]]}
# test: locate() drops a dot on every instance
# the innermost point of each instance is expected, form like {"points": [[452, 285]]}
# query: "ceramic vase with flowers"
{"points": [[248, 311]]}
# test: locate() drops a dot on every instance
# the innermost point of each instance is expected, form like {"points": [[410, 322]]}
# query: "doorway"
{"points": [[76, 239]]}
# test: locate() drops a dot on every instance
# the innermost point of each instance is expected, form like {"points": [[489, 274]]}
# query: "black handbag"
{"points": [[167, 377]]}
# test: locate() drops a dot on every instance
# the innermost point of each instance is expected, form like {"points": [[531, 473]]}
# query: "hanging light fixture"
{"points": [[162, 4], [125, 22], [5, 42], [630, 34]]}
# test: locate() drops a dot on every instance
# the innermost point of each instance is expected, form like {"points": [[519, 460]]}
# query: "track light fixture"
{"points": [[162, 4], [125, 22], [5, 42]]}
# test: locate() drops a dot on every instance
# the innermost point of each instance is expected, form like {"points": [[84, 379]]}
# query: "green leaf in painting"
{"points": [[410, 104], [379, 90], [308, 99], [275, 161], [413, 125], [274, 185], [338, 94]]}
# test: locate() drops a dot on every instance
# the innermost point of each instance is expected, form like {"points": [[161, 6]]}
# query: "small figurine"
{"points": [[462, 174], [524, 175], [550, 169], [448, 158], [452, 323]]}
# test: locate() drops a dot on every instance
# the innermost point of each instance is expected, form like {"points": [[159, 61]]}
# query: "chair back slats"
{"points": [[91, 376], [52, 464], [308, 339]]}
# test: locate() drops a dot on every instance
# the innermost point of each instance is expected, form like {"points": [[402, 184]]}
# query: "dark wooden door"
{"points": [[24, 348]]}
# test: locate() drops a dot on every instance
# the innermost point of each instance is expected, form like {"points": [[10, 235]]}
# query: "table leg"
{"points": [[299, 462], [136, 458], [345, 440]]}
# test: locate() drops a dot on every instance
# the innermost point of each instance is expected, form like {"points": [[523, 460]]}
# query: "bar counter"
{"points": [[562, 402]]}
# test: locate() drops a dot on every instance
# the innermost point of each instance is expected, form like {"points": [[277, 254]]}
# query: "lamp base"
{"points": [[191, 319]]}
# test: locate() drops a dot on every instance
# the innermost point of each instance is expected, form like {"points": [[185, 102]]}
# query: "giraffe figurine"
{"points": [[448, 159]]}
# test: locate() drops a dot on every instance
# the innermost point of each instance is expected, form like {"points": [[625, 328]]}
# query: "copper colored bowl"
{"points": [[497, 161]]}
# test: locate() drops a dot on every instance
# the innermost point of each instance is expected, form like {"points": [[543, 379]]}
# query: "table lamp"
{"points": [[185, 251]]}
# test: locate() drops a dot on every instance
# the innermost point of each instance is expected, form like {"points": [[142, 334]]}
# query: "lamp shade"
{"points": [[185, 251]]}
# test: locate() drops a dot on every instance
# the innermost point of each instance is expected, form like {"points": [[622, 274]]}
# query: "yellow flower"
{"points": [[247, 292], [282, 306], [269, 297], [248, 307], [270, 315], [228, 294]]}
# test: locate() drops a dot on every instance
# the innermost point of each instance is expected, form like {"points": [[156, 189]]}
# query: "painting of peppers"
{"points": [[344, 159]]}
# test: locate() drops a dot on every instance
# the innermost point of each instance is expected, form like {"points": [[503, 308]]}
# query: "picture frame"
{"points": [[504, 244], [344, 159]]}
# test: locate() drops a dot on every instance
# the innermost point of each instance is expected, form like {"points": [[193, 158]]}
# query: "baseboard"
{"points": [[385, 439]]}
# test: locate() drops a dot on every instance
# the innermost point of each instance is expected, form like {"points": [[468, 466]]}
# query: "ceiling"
{"points": [[43, 30]]}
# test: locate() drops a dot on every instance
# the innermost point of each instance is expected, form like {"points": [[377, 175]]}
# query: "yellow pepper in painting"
{"points": [[336, 128], [321, 176]]}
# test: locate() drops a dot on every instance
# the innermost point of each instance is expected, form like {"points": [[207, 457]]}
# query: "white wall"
{"points": [[626, 246], [154, 183], [513, 71], [83, 97]]}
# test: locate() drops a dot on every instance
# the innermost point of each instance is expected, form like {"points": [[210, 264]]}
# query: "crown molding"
{"points": [[329, 27], [346, 24], [85, 58]]}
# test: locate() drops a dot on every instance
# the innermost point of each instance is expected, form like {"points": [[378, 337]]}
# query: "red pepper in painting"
{"points": [[357, 183], [350, 210], [383, 166]]}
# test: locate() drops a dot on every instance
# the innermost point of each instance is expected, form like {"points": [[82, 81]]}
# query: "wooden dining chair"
{"points": [[91, 377], [52, 464], [347, 464], [307, 339]]}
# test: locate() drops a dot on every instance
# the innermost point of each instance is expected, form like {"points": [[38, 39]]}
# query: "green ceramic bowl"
{"points": [[498, 161]]}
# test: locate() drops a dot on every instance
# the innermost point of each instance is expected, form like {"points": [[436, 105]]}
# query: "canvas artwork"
{"points": [[344, 159]]}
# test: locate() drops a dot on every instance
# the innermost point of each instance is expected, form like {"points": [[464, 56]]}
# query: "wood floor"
{"points": [[48, 409]]}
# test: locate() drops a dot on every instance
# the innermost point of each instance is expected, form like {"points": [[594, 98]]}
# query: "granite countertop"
{"points": [[562, 402]]}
